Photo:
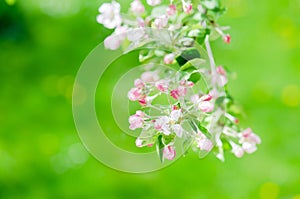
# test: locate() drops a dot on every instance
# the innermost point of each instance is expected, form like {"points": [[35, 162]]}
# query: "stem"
{"points": [[210, 56]]}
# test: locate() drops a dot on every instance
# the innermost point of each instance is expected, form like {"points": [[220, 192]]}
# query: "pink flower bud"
{"points": [[221, 70], [169, 58], [171, 10], [207, 97], [175, 94], [143, 102], [227, 38], [187, 8], [169, 152]]}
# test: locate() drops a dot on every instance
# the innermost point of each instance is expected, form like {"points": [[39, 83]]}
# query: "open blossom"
{"points": [[166, 124], [249, 140], [137, 7], [161, 22], [110, 15], [203, 142], [203, 103], [169, 152], [136, 121], [162, 124], [237, 150], [153, 2]]}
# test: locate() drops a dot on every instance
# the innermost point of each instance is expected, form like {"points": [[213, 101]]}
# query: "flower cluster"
{"points": [[187, 99]]}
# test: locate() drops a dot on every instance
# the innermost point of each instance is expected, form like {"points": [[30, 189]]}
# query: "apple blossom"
{"points": [[176, 104], [110, 15]]}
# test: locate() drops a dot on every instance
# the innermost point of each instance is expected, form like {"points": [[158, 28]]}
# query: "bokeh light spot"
{"points": [[296, 196], [269, 190], [10, 2], [290, 95]]}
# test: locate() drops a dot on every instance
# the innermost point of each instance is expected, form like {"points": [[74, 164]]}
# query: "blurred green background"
{"points": [[42, 44]]}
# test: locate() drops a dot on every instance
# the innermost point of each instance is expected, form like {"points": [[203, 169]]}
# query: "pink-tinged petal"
{"points": [[150, 76], [187, 8], [161, 22], [221, 70], [169, 152], [139, 83], [134, 94], [206, 106], [139, 142], [112, 42], [237, 150], [205, 144], [175, 115], [143, 102], [195, 98], [161, 123], [249, 147], [162, 85], [140, 113], [169, 58], [135, 122], [171, 10], [207, 97], [153, 2], [175, 94], [137, 7], [182, 91], [190, 84], [177, 128]]}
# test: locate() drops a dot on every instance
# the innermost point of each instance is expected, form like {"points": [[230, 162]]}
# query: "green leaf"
{"points": [[187, 55], [194, 63], [195, 77], [159, 148]]}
